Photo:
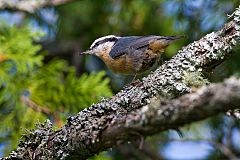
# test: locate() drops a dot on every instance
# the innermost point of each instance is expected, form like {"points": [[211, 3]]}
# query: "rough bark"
{"points": [[137, 110], [29, 6]]}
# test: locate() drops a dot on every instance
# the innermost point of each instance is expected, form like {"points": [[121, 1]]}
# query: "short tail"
{"points": [[173, 38]]}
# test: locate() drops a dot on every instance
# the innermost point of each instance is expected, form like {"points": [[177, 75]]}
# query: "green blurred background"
{"points": [[43, 77]]}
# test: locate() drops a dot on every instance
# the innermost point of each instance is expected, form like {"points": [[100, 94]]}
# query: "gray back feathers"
{"points": [[124, 44]]}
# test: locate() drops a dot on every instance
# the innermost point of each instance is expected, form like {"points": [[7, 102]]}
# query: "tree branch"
{"points": [[29, 6], [223, 148], [28, 102], [137, 109], [162, 115]]}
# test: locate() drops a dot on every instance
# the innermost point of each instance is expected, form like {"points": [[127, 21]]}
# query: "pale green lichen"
{"points": [[194, 79]]}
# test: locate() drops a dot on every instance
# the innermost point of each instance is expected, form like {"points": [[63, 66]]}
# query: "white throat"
{"points": [[104, 48]]}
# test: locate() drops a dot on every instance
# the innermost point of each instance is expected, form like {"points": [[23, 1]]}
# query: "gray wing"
{"points": [[128, 44]]}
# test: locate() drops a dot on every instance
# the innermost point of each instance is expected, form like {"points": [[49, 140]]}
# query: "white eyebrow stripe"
{"points": [[102, 38]]}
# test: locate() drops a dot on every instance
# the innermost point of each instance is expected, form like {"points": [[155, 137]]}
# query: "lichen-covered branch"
{"points": [[162, 115], [152, 118], [96, 128], [29, 6]]}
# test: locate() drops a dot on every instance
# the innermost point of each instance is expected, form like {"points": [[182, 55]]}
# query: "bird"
{"points": [[130, 55]]}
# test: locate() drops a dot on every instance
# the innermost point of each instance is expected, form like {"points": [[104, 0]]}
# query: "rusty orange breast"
{"points": [[121, 64]]}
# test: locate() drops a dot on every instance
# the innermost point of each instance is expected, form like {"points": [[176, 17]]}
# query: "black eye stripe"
{"points": [[112, 39]]}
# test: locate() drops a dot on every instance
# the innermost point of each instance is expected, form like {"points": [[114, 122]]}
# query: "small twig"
{"points": [[221, 147], [224, 149], [42, 109], [29, 6], [28, 102]]}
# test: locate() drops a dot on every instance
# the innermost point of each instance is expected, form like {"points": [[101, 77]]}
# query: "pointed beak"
{"points": [[86, 52]]}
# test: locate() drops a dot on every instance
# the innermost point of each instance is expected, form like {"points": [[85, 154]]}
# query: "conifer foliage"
{"points": [[31, 91]]}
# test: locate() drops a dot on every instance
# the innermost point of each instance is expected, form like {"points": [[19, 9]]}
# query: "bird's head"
{"points": [[102, 45]]}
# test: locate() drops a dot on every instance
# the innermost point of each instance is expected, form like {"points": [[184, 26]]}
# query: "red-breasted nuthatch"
{"points": [[132, 54]]}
